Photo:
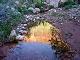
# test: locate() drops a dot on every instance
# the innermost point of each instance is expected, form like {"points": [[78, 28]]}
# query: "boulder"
{"points": [[19, 37], [37, 10], [13, 33]]}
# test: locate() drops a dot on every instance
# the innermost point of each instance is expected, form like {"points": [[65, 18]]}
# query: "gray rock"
{"points": [[17, 2], [23, 28], [20, 37], [25, 25], [37, 10], [13, 33], [37, 17], [26, 20], [23, 31]]}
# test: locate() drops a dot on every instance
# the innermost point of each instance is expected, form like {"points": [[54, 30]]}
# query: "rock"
{"points": [[60, 8], [45, 3], [20, 37], [13, 8], [17, 28], [54, 10], [25, 25], [53, 2], [26, 20], [17, 2], [63, 1], [23, 32], [31, 8], [23, 28], [61, 23], [37, 18], [13, 33], [37, 10]]}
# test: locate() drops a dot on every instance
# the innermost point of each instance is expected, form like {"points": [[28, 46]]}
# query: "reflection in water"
{"points": [[41, 32], [31, 51]]}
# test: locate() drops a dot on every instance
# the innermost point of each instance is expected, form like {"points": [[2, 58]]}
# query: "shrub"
{"points": [[41, 10], [29, 11], [4, 31], [39, 5], [68, 2], [21, 9], [68, 6], [54, 13], [50, 6], [8, 18]]}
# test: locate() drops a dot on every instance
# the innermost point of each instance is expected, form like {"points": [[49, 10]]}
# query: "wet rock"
{"points": [[23, 32], [19, 37], [13, 33]]}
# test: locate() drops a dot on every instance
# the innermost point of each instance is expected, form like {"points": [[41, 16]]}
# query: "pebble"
{"points": [[23, 31], [25, 25], [19, 37]]}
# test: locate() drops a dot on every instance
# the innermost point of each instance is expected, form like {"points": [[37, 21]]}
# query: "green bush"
{"points": [[4, 31], [68, 6], [68, 2], [41, 10], [21, 9], [50, 6], [9, 17], [39, 5], [29, 11], [54, 13]]}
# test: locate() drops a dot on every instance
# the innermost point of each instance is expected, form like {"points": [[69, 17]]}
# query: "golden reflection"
{"points": [[40, 33]]}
